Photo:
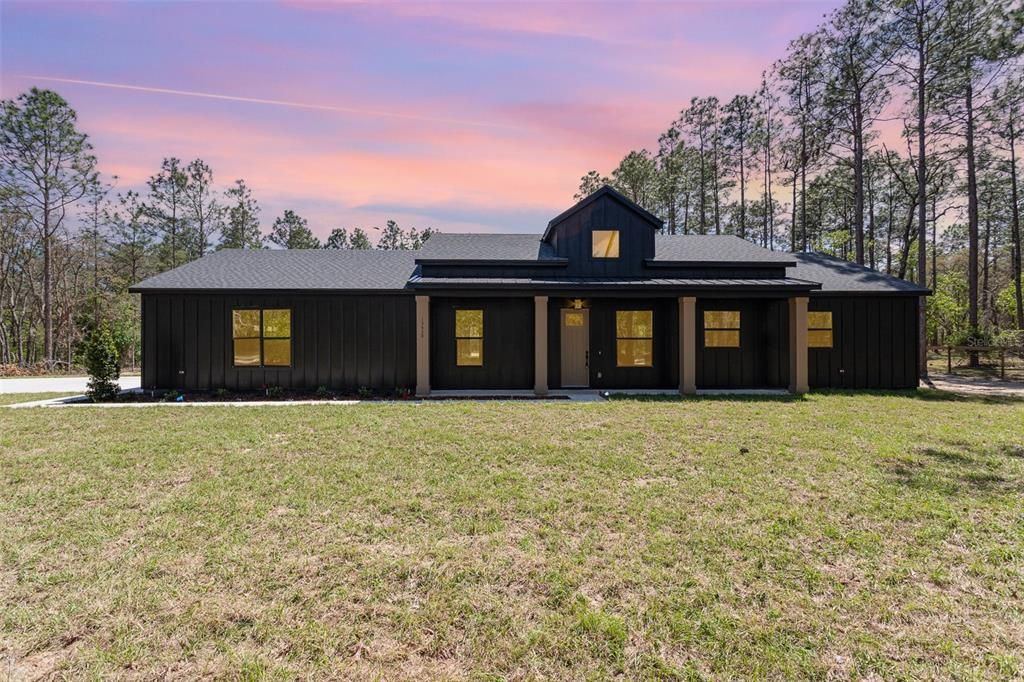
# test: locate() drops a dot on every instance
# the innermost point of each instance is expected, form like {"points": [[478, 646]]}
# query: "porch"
{"points": [[546, 345]]}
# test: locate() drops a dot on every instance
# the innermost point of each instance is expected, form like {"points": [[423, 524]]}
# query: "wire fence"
{"points": [[992, 362]]}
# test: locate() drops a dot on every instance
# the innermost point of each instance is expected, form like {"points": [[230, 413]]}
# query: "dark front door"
{"points": [[575, 348]]}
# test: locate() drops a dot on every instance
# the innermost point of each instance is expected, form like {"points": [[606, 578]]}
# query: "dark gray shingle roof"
{"points": [[838, 275], [710, 248], [340, 270], [456, 246], [305, 269]]}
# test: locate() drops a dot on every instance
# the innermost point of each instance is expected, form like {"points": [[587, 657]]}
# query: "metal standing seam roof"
{"points": [[611, 283]]}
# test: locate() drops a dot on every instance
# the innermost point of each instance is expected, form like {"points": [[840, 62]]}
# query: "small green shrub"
{"points": [[221, 394], [170, 397], [324, 393], [364, 393], [275, 392], [102, 363]]}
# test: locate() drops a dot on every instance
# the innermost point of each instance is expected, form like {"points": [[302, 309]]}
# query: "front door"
{"points": [[575, 348]]}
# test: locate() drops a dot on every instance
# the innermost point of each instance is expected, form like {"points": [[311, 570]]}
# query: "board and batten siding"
{"points": [[341, 342], [572, 240], [508, 344], [874, 343], [761, 361]]}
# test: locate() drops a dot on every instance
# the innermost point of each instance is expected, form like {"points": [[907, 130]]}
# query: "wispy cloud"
{"points": [[273, 102]]}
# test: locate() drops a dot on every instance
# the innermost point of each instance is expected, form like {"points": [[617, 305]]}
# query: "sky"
{"points": [[461, 116]]}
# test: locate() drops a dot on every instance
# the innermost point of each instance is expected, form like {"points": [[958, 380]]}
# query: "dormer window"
{"points": [[605, 244]]}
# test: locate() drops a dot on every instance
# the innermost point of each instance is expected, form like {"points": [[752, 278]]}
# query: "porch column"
{"points": [[687, 345], [422, 345], [540, 345], [798, 344]]}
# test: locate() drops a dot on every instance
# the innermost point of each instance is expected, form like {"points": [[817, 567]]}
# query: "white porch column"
{"points": [[798, 344], [540, 345], [422, 345], [687, 345]]}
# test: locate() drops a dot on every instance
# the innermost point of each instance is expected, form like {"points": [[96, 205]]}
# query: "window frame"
{"points": [[617, 241], [455, 323], [719, 328], [262, 338], [830, 329], [648, 339]]}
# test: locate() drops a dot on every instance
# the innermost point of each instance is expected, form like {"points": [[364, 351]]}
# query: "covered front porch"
{"points": [[557, 342]]}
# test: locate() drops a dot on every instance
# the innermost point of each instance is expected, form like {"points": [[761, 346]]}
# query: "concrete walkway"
{"points": [[975, 386], [56, 384]]}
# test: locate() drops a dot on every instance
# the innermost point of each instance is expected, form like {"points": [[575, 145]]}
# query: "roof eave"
{"points": [[496, 262], [656, 263]]}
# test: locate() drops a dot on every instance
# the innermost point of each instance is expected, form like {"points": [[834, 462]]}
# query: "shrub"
{"points": [[275, 392], [102, 363], [323, 393]]}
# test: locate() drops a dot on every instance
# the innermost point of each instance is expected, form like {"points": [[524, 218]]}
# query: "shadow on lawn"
{"points": [[950, 469], [925, 394]]}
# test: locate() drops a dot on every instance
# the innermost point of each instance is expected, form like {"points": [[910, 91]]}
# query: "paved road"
{"points": [[55, 384]]}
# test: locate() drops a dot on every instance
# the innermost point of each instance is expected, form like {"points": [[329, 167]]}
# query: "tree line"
{"points": [[887, 136], [71, 244]]}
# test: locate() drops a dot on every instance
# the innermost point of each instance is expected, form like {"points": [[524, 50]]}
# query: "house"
{"points": [[601, 300]]}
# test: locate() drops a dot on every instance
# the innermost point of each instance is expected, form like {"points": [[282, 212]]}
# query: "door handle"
{"points": [[586, 358]]}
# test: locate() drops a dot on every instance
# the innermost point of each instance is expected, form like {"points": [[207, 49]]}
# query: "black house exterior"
{"points": [[601, 300]]}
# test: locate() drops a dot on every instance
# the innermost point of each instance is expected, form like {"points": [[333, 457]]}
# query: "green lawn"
{"points": [[838, 535]]}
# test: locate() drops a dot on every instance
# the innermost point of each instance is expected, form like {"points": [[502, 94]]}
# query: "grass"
{"points": [[839, 535]]}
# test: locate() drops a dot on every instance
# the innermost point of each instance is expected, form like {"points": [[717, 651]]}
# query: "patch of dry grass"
{"points": [[857, 535]]}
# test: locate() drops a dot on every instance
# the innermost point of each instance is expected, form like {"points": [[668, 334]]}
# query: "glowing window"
{"points": [[605, 244], [819, 329], [634, 332], [469, 338], [262, 338], [721, 329], [573, 319]]}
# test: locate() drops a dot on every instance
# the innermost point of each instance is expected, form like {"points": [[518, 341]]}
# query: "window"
{"points": [[469, 338], [573, 319], [819, 330], [605, 244], [634, 332], [262, 338], [721, 329]]}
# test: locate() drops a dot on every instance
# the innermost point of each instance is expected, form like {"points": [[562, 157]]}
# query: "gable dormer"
{"points": [[604, 235]]}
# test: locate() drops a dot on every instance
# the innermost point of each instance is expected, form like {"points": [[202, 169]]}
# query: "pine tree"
{"points": [[291, 231], [242, 229], [46, 166]]}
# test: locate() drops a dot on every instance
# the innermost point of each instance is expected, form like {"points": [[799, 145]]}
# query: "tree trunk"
{"points": [[743, 195], [922, 179], [792, 223], [1015, 230], [858, 183], [47, 284], [871, 223], [972, 222], [986, 254]]}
